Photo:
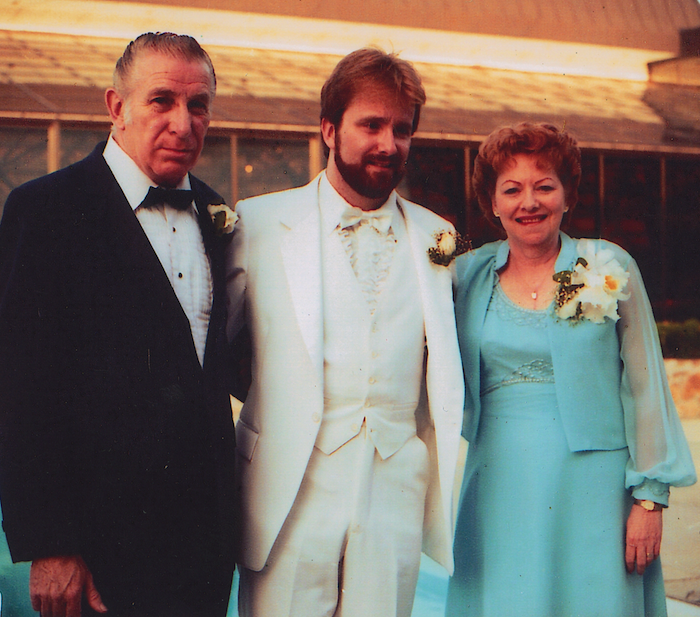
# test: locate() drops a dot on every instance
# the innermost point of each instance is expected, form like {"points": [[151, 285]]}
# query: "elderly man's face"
{"points": [[162, 118]]}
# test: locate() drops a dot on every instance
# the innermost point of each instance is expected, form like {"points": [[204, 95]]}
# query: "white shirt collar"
{"points": [[333, 205], [132, 181]]}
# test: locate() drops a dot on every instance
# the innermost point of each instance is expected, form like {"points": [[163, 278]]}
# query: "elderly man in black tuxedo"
{"points": [[116, 436]]}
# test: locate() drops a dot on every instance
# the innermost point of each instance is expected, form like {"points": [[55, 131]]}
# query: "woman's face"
{"points": [[530, 202]]}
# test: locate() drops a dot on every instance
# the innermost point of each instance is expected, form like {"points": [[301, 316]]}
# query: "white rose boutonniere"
{"points": [[223, 217], [448, 245], [593, 288]]}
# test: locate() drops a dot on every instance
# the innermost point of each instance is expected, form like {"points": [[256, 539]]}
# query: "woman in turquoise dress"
{"points": [[573, 435]]}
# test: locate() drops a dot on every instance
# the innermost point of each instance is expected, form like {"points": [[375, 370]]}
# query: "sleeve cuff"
{"points": [[652, 490]]}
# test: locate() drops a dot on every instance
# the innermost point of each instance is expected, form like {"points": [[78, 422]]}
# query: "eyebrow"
{"points": [[162, 91], [550, 178]]}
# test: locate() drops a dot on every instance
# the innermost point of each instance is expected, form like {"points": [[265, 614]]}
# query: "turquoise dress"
{"points": [[567, 423], [14, 584], [540, 530]]}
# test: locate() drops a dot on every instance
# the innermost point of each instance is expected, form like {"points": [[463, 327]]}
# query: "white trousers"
{"points": [[351, 544]]}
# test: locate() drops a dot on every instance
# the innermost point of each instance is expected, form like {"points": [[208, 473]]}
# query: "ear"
{"points": [[328, 132], [116, 106], [493, 208]]}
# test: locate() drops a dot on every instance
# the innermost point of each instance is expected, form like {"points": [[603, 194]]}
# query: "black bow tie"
{"points": [[177, 198]]}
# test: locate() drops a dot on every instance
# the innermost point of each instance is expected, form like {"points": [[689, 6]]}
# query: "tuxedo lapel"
{"points": [[301, 256], [432, 279], [214, 247], [443, 378], [126, 245]]}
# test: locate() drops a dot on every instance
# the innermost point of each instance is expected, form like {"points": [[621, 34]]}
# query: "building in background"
{"points": [[622, 75]]}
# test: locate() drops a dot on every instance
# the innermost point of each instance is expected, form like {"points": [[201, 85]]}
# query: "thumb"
{"points": [[93, 596]]}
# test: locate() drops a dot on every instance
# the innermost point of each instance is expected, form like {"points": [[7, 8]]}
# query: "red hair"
{"points": [[553, 147]]}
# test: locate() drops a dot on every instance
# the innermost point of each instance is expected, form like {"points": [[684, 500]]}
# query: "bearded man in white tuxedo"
{"points": [[349, 435]]}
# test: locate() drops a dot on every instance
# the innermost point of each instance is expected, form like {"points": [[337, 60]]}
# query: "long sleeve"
{"points": [[659, 453]]}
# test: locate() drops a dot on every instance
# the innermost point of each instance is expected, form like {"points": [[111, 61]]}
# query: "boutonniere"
{"points": [[593, 288], [223, 217], [448, 245]]}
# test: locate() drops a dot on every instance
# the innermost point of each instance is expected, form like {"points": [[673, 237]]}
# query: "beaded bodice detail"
{"points": [[514, 345]]}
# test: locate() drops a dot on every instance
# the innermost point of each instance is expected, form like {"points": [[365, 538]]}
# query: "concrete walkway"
{"points": [[680, 549]]}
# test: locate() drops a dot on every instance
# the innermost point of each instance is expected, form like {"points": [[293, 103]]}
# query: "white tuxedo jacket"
{"points": [[274, 285]]}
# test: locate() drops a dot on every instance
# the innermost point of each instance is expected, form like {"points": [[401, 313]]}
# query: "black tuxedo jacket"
{"points": [[115, 444]]}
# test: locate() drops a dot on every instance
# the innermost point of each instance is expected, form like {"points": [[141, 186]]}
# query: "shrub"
{"points": [[680, 339]]}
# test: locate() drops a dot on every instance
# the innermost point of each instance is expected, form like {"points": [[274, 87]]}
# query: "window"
{"points": [[267, 165], [22, 157], [435, 179], [683, 233], [214, 165]]}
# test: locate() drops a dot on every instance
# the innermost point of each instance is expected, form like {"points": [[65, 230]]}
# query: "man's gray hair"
{"points": [[176, 45]]}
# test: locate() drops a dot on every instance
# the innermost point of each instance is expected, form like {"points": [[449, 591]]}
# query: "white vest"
{"points": [[373, 364]]}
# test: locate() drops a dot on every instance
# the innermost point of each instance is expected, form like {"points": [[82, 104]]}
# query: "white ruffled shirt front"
{"points": [[176, 239], [369, 250]]}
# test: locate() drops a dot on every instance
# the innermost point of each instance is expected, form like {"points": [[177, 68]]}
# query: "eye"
{"points": [[198, 107], [545, 188], [161, 102], [511, 190]]}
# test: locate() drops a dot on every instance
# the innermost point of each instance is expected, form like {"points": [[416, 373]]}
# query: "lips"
{"points": [[178, 152], [383, 165], [530, 220]]}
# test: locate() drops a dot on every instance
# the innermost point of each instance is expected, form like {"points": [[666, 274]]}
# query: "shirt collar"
{"points": [[132, 181], [333, 206]]}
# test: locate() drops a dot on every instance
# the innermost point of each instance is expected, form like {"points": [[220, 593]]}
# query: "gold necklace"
{"points": [[534, 294]]}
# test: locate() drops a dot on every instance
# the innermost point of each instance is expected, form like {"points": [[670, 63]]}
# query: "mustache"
{"points": [[393, 160]]}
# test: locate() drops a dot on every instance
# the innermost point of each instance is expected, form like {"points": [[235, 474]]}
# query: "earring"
{"points": [[497, 215]]}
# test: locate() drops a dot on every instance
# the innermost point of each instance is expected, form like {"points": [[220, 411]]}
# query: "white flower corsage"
{"points": [[223, 217], [448, 245], [593, 288]]}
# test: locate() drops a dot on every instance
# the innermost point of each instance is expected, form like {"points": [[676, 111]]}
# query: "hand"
{"points": [[57, 586], [643, 541]]}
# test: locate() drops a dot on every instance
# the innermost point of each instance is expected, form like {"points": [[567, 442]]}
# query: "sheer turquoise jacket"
{"points": [[610, 379]]}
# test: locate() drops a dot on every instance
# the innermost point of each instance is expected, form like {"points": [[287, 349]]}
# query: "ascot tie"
{"points": [[177, 198], [381, 221]]}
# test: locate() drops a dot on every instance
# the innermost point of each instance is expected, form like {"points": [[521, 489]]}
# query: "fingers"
{"points": [[643, 558], [630, 557], [640, 557], [642, 538], [51, 604], [73, 602], [93, 596], [57, 586]]}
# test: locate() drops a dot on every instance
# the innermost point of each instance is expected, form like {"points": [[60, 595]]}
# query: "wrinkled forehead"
{"points": [[151, 66]]}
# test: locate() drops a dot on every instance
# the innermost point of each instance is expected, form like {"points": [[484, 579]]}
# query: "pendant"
{"points": [[533, 295]]}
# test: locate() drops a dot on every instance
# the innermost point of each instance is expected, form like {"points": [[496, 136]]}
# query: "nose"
{"points": [[180, 121], [530, 199], [387, 140]]}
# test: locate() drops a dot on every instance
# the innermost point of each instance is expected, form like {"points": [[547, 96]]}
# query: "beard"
{"points": [[373, 185]]}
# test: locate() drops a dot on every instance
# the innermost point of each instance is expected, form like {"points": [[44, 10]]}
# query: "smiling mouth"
{"points": [[387, 165], [529, 220]]}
